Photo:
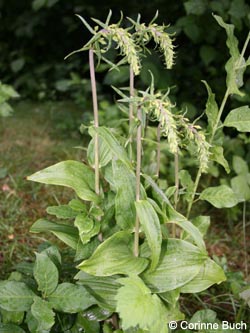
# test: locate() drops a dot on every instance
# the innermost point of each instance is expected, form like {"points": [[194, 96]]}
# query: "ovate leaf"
{"points": [[209, 274], [218, 156], [43, 313], [151, 226], [137, 307], [239, 118], [179, 263], [45, 274], [71, 174], [220, 196], [114, 256], [64, 232], [70, 298], [15, 296]]}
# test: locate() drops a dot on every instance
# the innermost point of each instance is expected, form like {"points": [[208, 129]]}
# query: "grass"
{"points": [[36, 136]]}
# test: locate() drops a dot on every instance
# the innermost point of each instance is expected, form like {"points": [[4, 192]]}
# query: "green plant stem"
{"points": [[176, 194], [131, 109], [158, 152], [96, 121], [138, 179]]}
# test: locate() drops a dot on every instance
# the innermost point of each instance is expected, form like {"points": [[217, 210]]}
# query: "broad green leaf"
{"points": [[240, 187], [240, 166], [15, 296], [97, 313], [179, 263], [218, 156], [64, 232], [209, 274], [5, 110], [14, 317], [45, 274], [151, 226], [70, 298], [239, 118], [220, 196], [105, 154], [137, 306], [114, 256], [71, 174], [62, 211], [211, 108], [17, 65], [43, 313], [124, 183], [10, 328], [194, 232], [115, 147], [104, 289], [77, 205]]}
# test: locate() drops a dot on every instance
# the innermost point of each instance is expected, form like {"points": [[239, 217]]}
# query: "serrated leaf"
{"points": [[137, 307], [179, 263], [15, 296], [209, 274], [151, 226], [64, 232], [124, 183], [239, 118], [218, 156], [211, 108], [71, 174], [114, 256], [70, 298], [220, 196], [45, 274], [43, 313], [10, 328], [104, 289], [62, 211]]}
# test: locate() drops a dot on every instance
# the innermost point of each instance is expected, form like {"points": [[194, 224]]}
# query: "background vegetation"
{"points": [[55, 98]]}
